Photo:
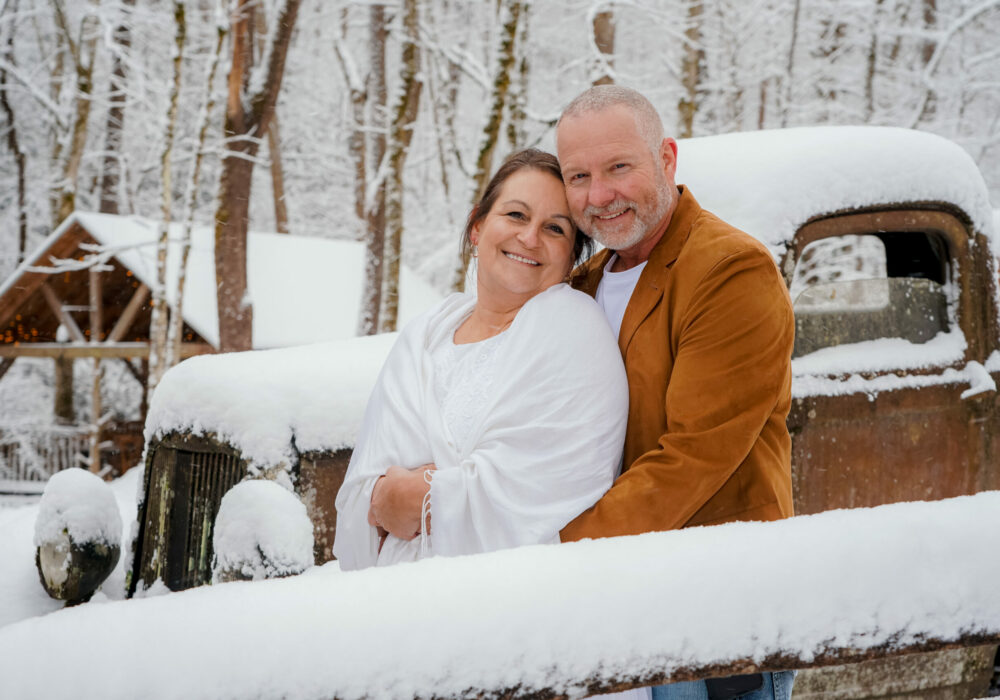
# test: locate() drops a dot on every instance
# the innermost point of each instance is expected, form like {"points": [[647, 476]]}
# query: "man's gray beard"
{"points": [[641, 227]]}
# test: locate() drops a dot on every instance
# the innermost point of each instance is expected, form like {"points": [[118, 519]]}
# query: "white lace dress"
{"points": [[463, 376]]}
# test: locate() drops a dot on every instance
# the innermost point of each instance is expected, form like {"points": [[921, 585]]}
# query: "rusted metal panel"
{"points": [[320, 477], [914, 444], [953, 674]]}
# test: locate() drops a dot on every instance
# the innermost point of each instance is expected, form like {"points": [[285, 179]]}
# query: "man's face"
{"points": [[618, 192]]}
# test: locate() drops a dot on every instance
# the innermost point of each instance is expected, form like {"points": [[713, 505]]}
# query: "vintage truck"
{"points": [[887, 242]]}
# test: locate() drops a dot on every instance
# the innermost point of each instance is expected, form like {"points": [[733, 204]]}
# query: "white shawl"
{"points": [[547, 446]]}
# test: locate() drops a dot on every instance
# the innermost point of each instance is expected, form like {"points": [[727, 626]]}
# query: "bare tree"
{"points": [[175, 335], [114, 126], [277, 176], [81, 51], [786, 102], [692, 68], [604, 41], [401, 134], [159, 322], [510, 12], [249, 110], [374, 203], [20, 160]]}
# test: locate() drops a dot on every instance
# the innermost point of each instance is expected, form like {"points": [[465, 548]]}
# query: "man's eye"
{"points": [[619, 166], [575, 177]]}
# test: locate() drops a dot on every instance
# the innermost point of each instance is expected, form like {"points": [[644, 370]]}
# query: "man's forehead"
{"points": [[597, 133]]}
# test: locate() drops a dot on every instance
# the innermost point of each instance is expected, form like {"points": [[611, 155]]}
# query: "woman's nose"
{"points": [[530, 235]]}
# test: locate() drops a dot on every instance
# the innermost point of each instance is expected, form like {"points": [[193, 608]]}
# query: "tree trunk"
{"points": [[692, 67], [158, 360], [83, 64], [501, 85], [114, 127], [176, 332], [926, 55], [20, 162], [516, 116], [96, 333], [604, 40], [359, 97], [786, 102], [371, 301], [872, 64], [277, 177], [404, 115], [246, 118]]}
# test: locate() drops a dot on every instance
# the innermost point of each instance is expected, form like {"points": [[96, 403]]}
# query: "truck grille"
{"points": [[183, 491]]}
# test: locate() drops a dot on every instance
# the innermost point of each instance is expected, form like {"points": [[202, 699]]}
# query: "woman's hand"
{"points": [[397, 500]]}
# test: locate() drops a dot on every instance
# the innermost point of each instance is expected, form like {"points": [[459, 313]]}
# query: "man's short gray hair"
{"points": [[601, 97]]}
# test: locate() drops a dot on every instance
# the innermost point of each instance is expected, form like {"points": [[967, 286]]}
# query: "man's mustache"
{"points": [[616, 207]]}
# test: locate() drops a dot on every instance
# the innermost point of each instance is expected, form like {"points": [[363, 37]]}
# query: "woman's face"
{"points": [[525, 242]]}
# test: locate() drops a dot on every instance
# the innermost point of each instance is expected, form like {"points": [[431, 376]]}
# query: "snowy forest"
{"points": [[379, 122]]}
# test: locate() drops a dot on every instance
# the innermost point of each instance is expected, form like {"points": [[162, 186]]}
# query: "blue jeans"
{"points": [[777, 686]]}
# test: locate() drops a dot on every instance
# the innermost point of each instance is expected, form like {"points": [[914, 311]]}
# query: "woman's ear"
{"points": [[474, 234]]}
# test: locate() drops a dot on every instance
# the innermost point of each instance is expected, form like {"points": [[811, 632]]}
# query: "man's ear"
{"points": [[668, 153]]}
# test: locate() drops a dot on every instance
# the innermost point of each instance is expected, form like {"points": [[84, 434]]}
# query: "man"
{"points": [[705, 327]]}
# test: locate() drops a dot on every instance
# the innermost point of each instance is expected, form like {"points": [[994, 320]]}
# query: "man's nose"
{"points": [[600, 193]]}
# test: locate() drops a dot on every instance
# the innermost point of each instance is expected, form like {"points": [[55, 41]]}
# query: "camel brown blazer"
{"points": [[707, 342]]}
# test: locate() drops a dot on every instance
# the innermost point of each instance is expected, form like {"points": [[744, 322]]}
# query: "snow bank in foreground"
{"points": [[262, 531], [538, 616], [80, 504], [267, 403]]}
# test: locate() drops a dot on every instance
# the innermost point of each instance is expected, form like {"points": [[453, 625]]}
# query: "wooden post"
{"points": [[5, 364], [96, 325], [62, 407]]}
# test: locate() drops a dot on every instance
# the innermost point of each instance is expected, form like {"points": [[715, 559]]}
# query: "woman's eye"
{"points": [[556, 228], [516, 215]]}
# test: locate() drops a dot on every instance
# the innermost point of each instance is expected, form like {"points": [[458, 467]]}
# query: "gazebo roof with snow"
{"points": [[304, 290]]}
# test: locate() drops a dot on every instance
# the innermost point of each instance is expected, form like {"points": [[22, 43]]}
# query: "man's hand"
{"points": [[397, 500]]}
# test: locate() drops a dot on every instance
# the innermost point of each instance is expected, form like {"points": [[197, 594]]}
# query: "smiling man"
{"points": [[705, 327]]}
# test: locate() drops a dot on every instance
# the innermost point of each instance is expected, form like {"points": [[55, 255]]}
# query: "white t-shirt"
{"points": [[615, 290]]}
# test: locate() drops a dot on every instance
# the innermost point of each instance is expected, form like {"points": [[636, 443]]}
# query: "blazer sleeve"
{"points": [[731, 369]]}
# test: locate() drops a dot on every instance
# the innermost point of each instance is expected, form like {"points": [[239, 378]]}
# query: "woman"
{"points": [[497, 418]]}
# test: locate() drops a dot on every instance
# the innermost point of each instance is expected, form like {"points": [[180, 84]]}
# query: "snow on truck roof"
{"points": [[769, 183], [304, 289]]}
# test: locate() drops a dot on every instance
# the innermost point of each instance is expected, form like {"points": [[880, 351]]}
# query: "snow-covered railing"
{"points": [[30, 454], [545, 621]]}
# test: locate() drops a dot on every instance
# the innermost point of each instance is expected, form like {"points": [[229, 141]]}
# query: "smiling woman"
{"points": [[488, 418]]}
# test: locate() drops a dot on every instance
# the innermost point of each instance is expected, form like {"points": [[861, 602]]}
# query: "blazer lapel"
{"points": [[648, 290]]}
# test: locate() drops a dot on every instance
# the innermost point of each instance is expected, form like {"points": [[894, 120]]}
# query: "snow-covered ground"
{"points": [[543, 616]]}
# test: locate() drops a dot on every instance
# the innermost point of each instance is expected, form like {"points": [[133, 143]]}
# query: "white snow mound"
{"points": [[80, 504], [263, 531]]}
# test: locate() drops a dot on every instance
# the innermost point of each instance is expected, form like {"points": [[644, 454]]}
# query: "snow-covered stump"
{"points": [[262, 531], [77, 535]]}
